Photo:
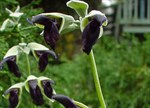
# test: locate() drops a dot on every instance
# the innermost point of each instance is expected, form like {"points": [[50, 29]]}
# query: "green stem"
{"points": [[28, 65], [96, 80], [81, 105], [33, 52], [34, 106]]}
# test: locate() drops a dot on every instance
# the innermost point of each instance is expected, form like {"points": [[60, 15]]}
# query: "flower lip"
{"points": [[30, 21], [5, 60], [35, 92], [52, 53], [64, 100], [13, 98], [47, 86], [40, 19], [12, 66], [90, 35], [43, 60], [100, 18], [51, 32]]}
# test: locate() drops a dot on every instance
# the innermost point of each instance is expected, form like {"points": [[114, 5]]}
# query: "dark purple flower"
{"points": [[12, 66], [64, 100], [43, 60], [51, 33], [35, 93], [91, 33], [47, 86], [13, 98]]}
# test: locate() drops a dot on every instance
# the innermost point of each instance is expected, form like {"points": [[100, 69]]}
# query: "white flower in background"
{"points": [[16, 13], [12, 22], [6, 23]]}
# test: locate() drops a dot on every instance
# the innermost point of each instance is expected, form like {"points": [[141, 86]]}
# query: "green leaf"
{"points": [[80, 7], [36, 46], [12, 51], [67, 22]]}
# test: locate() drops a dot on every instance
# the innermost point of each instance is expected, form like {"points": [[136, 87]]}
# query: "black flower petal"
{"points": [[35, 93], [13, 98], [51, 33], [47, 86], [43, 61], [90, 35], [3, 61], [64, 100], [12, 66]]}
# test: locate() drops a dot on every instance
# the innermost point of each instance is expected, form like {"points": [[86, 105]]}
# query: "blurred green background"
{"points": [[123, 67]]}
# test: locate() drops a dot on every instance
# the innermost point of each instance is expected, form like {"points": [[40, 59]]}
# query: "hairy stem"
{"points": [[81, 105], [96, 80]]}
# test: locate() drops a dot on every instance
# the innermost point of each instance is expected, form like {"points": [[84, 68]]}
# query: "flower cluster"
{"points": [[90, 24], [10, 22], [38, 50], [38, 88]]}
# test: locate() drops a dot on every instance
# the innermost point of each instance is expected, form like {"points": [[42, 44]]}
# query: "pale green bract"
{"points": [[12, 51], [15, 86], [31, 77], [25, 48], [36, 46], [41, 78], [68, 23], [80, 7], [18, 85]]}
